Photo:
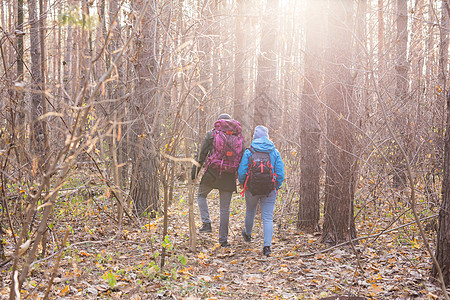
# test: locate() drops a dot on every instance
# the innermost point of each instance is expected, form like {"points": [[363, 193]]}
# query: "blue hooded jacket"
{"points": [[263, 144]]}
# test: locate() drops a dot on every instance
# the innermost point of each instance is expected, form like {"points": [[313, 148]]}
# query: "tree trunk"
{"points": [[288, 94], [443, 234], [266, 78], [37, 129], [43, 67], [443, 54], [308, 213], [116, 111], [239, 61], [205, 53], [21, 132], [339, 224], [144, 183], [67, 67], [19, 40], [380, 47], [401, 93]]}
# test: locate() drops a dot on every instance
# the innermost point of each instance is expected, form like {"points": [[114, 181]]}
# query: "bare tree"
{"points": [[239, 61], [37, 136], [144, 182], [116, 112], [19, 76], [401, 90], [308, 213], [443, 238], [266, 78], [380, 48], [339, 222]]}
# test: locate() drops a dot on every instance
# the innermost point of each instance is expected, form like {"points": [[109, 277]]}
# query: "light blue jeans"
{"points": [[267, 203], [225, 200]]}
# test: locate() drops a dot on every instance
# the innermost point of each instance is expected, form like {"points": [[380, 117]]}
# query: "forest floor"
{"points": [[101, 262]]}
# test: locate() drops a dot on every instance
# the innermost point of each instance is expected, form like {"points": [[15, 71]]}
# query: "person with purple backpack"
{"points": [[221, 152]]}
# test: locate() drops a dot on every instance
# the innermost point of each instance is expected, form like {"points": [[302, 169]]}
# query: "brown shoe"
{"points": [[205, 228]]}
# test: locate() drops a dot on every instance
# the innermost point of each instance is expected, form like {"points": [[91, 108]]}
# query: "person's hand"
{"points": [[241, 186]]}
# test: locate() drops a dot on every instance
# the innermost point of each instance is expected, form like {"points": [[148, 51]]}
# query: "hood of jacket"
{"points": [[263, 144]]}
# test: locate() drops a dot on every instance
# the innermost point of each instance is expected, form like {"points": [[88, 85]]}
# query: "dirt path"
{"points": [[102, 263]]}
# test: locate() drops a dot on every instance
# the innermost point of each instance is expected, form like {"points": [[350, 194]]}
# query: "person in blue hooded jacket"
{"points": [[261, 143]]}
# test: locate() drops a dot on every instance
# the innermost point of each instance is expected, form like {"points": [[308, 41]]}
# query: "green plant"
{"points": [[182, 259], [167, 243], [151, 270], [174, 273], [110, 277]]}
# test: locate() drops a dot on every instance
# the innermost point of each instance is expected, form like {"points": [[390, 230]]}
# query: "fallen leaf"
{"points": [[92, 290], [186, 271], [375, 289], [253, 278], [64, 291], [205, 278], [102, 287]]}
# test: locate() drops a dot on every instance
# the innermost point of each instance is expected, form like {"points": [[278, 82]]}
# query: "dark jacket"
{"points": [[225, 182]]}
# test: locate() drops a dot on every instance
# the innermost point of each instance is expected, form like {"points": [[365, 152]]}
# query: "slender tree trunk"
{"points": [[266, 78], [443, 67], [37, 129], [339, 224], [115, 112], [205, 52], [288, 93], [417, 62], [380, 47], [67, 67], [239, 61], [21, 132], [43, 67], [430, 47], [58, 45], [401, 92], [20, 40], [443, 234], [308, 213]]}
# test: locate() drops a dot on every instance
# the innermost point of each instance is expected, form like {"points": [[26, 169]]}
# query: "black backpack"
{"points": [[260, 176]]}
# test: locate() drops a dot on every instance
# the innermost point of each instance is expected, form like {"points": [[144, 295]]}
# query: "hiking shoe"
{"points": [[246, 237], [225, 244], [266, 250], [205, 228]]}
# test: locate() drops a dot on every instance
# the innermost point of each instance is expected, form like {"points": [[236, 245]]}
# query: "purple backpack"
{"points": [[227, 146]]}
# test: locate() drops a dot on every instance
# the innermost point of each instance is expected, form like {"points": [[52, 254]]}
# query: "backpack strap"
{"points": [[274, 178], [210, 152], [252, 151]]}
